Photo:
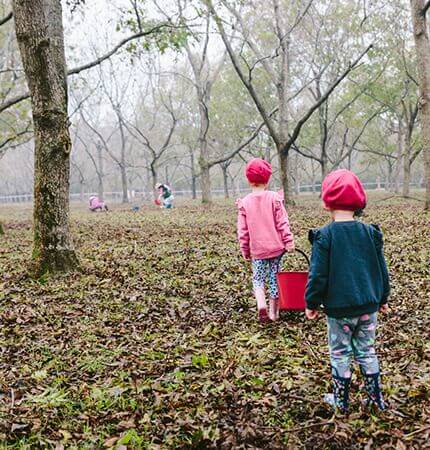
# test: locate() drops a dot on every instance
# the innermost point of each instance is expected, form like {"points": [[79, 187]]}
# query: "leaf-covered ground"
{"points": [[155, 344]]}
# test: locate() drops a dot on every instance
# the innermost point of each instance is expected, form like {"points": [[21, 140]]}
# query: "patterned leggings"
{"points": [[263, 269], [350, 338]]}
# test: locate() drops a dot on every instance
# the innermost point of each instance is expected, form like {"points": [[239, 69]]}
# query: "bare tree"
{"points": [[153, 143], [205, 76], [282, 133]]}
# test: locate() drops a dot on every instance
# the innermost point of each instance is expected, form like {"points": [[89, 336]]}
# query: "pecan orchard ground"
{"points": [[156, 344]]}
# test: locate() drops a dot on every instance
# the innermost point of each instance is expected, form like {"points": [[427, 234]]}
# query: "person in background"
{"points": [[97, 205], [264, 235], [165, 196], [348, 276]]}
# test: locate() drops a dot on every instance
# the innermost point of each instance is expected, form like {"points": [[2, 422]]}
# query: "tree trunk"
{"points": [[123, 164], [100, 173], [225, 180], [324, 166], [124, 184], [389, 182], [407, 165], [422, 47], [81, 190], [39, 31], [204, 152], [193, 176], [283, 174], [154, 180], [406, 176], [205, 183], [399, 157]]}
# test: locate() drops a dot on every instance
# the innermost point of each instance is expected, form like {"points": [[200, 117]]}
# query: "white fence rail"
{"points": [[136, 196]]}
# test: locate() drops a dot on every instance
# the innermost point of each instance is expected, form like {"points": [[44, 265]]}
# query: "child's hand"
{"points": [[290, 247], [247, 258], [311, 314], [384, 308]]}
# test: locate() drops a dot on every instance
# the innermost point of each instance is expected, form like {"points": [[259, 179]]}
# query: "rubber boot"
{"points": [[340, 397], [372, 384], [261, 305]]}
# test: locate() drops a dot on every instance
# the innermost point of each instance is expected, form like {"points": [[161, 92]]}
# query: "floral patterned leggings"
{"points": [[349, 338], [263, 269]]}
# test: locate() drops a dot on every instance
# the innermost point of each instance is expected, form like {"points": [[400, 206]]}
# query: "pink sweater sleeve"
{"points": [[282, 223], [242, 231]]}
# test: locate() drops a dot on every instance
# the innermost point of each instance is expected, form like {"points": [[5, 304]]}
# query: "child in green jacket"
{"points": [[348, 276]]}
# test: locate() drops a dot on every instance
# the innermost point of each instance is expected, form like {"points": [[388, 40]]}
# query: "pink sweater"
{"points": [[262, 225]]}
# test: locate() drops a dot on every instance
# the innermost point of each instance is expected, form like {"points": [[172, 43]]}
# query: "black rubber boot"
{"points": [[340, 397], [373, 388]]}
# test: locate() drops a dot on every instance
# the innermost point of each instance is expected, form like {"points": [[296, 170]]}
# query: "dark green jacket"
{"points": [[348, 274]]}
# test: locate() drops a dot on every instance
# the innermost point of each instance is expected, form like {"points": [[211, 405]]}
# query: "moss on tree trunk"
{"points": [[39, 32]]}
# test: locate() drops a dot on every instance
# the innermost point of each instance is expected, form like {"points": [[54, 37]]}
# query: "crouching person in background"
{"points": [[97, 205], [165, 197]]}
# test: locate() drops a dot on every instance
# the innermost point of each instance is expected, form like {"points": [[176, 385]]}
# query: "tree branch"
{"points": [[323, 98], [91, 64], [6, 18], [243, 144], [258, 103]]}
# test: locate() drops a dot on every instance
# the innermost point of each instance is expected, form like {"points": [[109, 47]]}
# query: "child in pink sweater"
{"points": [[264, 235]]}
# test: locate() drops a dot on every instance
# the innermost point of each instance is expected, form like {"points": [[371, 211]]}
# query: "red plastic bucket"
{"points": [[292, 286]]}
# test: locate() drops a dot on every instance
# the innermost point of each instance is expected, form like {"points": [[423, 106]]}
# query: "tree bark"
{"points": [[407, 163], [399, 157], [422, 47], [205, 183], [123, 163], [282, 90], [124, 183], [224, 169], [389, 180], [154, 180], [100, 173], [203, 146], [283, 173], [193, 176], [81, 190], [39, 31]]}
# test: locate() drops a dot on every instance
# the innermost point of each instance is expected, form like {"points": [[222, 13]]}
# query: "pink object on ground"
{"points": [[262, 225], [96, 203]]}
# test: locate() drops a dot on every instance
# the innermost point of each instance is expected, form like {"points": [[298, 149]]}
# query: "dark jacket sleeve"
{"points": [[379, 244], [316, 289]]}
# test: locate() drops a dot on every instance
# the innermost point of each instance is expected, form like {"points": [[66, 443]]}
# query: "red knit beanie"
{"points": [[343, 190], [258, 171]]}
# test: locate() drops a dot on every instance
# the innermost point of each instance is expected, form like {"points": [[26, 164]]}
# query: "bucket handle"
{"points": [[303, 254]]}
